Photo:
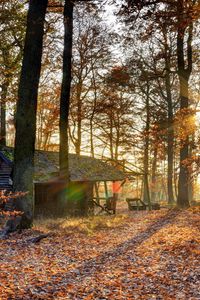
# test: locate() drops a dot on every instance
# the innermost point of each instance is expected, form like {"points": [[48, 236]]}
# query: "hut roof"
{"points": [[5, 159], [81, 168]]}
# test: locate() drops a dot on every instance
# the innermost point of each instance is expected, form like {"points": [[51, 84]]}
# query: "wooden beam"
{"points": [[106, 189], [123, 182], [97, 191], [102, 207]]}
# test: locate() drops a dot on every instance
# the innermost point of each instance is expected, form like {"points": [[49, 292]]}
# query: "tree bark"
{"points": [[153, 180], [111, 137], [191, 179], [117, 140], [183, 181], [93, 112], [184, 74], [170, 129], [65, 90], [26, 110], [170, 141], [79, 117], [3, 113], [91, 138], [146, 196]]}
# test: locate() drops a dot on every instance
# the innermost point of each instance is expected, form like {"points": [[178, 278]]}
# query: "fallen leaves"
{"points": [[149, 255]]}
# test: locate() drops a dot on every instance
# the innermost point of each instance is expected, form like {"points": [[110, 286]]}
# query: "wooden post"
{"points": [[106, 190], [97, 192]]}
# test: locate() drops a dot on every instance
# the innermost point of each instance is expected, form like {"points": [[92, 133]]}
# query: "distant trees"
{"points": [[47, 118], [11, 47], [115, 110], [90, 55], [166, 18]]}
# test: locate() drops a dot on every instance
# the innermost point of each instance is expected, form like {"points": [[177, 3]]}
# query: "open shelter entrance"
{"points": [[106, 194]]}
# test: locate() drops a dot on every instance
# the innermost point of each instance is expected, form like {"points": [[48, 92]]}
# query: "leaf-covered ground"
{"points": [[141, 255]]}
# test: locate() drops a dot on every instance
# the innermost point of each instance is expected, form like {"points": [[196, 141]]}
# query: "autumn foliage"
{"points": [[141, 255], [5, 197]]}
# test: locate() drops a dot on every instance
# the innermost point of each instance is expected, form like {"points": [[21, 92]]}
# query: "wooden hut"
{"points": [[53, 197], [5, 173], [81, 195]]}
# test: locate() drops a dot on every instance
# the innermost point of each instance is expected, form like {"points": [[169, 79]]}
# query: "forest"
{"points": [[100, 149]]}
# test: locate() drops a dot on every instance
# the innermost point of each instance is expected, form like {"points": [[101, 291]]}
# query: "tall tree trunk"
{"points": [[26, 110], [4, 90], [175, 179], [93, 113], [191, 179], [184, 74], [117, 140], [154, 167], [91, 138], [111, 138], [170, 129], [183, 181], [146, 195], [79, 118], [65, 90], [170, 142]]}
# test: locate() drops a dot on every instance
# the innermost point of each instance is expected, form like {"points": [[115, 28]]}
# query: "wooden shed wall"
{"points": [[55, 199], [5, 172]]}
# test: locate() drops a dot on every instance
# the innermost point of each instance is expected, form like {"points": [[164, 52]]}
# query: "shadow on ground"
{"points": [[92, 266]]}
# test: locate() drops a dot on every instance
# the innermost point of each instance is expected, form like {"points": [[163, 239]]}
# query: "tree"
{"points": [[90, 53], [26, 110], [13, 16], [184, 72], [178, 16], [146, 195], [47, 117], [115, 109], [65, 89]]}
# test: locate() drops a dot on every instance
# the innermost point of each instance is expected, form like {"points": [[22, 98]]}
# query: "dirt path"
{"points": [[147, 255]]}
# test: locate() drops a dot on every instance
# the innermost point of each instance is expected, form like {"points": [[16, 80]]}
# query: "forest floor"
{"points": [[134, 255]]}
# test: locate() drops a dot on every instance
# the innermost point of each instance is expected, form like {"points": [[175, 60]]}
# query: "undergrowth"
{"points": [[82, 225]]}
